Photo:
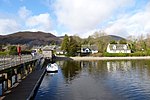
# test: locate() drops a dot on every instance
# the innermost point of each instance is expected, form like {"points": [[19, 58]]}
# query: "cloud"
{"points": [[8, 26], [24, 12], [39, 22], [84, 15], [135, 24], [25, 20]]}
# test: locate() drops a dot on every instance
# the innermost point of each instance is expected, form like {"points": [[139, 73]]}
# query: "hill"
{"points": [[116, 38], [110, 38], [30, 38]]}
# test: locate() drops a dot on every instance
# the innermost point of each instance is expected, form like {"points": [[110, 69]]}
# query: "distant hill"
{"points": [[116, 38], [30, 38], [61, 37], [112, 38]]}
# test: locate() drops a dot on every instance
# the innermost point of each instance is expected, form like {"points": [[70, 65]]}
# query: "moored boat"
{"points": [[52, 67]]}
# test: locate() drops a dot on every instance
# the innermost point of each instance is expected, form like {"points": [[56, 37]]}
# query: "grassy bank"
{"points": [[135, 54]]}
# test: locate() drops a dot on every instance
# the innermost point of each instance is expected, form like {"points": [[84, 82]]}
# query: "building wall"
{"points": [[47, 54], [117, 51]]}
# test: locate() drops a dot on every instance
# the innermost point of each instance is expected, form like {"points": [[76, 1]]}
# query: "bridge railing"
{"points": [[10, 61]]}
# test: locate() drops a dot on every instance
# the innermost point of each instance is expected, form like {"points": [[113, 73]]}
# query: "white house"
{"points": [[89, 49], [47, 51], [86, 50], [118, 48]]}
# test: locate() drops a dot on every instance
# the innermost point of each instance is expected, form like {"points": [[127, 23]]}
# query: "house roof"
{"points": [[49, 47], [58, 49], [92, 47], [119, 47]]}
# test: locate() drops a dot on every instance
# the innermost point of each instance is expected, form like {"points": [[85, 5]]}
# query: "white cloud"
{"points": [[39, 22], [25, 21], [84, 15], [135, 24], [24, 12], [8, 26]]}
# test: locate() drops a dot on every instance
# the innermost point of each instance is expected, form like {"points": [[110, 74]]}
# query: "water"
{"points": [[97, 80]]}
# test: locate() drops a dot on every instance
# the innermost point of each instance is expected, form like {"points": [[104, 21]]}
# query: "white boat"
{"points": [[52, 67]]}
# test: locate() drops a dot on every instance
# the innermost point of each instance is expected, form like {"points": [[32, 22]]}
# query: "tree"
{"points": [[90, 40], [113, 42], [77, 39], [101, 39], [70, 45], [132, 41], [65, 43], [132, 46], [12, 50], [0, 47], [73, 47], [123, 41], [144, 46]]}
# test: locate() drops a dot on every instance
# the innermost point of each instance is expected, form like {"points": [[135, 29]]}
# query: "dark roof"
{"points": [[92, 47]]}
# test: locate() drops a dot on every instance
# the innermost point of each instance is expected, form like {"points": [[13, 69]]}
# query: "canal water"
{"points": [[97, 80]]}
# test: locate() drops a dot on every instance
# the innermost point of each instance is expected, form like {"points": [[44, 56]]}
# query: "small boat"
{"points": [[52, 67]]}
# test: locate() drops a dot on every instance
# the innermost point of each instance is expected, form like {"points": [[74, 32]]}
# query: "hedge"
{"points": [[126, 54]]}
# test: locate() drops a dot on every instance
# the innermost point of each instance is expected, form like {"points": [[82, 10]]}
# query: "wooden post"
{"points": [[16, 78], [9, 82], [5, 83]]}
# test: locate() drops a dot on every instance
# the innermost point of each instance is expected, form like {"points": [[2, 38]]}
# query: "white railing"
{"points": [[10, 61]]}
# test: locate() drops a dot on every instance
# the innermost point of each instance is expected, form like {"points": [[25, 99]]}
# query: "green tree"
{"points": [[132, 46], [65, 43], [90, 40], [113, 42], [12, 50], [123, 41], [73, 47], [101, 39], [144, 46]]}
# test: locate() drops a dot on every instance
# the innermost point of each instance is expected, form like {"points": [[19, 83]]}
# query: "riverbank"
{"points": [[102, 58], [110, 58]]}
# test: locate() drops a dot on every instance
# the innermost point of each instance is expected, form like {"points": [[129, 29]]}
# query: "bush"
{"points": [[106, 54], [139, 53], [12, 50], [3, 53]]}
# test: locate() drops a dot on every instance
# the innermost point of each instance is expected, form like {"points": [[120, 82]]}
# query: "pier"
{"points": [[20, 76]]}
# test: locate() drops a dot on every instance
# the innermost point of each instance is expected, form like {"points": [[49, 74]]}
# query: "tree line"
{"points": [[72, 44]]}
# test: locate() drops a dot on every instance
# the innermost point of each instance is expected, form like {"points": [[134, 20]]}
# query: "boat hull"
{"points": [[52, 68]]}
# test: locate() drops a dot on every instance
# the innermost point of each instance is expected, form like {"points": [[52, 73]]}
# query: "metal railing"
{"points": [[10, 61]]}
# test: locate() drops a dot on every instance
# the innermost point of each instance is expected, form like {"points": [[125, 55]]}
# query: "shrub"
{"points": [[12, 50], [3, 53], [115, 54]]}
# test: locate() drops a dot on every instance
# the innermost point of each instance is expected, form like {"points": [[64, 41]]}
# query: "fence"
{"points": [[10, 61]]}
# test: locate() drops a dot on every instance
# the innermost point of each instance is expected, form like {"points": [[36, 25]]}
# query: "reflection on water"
{"points": [[118, 65], [70, 70], [97, 80]]}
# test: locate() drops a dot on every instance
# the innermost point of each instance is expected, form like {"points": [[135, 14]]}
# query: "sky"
{"points": [[76, 17]]}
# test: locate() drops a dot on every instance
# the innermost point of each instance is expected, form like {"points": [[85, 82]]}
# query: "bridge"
{"points": [[13, 69]]}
